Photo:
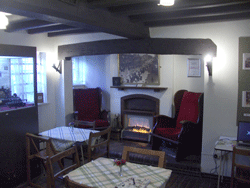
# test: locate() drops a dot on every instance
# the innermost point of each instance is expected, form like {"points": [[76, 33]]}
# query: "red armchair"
{"points": [[88, 111], [184, 131]]}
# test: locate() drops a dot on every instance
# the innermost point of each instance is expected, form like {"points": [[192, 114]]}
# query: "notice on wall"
{"points": [[194, 67]]}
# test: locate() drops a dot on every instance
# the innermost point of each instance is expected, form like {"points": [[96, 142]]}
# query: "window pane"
{"points": [[78, 70]]}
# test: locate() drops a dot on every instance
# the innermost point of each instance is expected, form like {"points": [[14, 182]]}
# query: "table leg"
{"points": [[223, 166], [82, 154], [218, 183]]}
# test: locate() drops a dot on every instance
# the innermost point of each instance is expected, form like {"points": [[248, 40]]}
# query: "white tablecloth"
{"points": [[103, 173], [64, 137]]}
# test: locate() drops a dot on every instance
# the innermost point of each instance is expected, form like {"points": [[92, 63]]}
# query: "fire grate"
{"points": [[136, 133]]}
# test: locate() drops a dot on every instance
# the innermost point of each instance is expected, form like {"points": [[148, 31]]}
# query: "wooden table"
{"points": [[64, 137], [103, 173]]}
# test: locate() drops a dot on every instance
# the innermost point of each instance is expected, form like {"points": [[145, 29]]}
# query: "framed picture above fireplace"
{"points": [[139, 69]]}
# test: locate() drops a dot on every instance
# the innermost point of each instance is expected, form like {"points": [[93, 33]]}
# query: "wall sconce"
{"points": [[208, 60], [209, 68], [166, 2], [3, 20], [59, 67]]}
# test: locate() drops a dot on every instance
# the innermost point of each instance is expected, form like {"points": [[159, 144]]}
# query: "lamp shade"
{"points": [[3, 21], [166, 2]]}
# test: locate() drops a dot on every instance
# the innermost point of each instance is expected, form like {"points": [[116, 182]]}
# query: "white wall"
{"points": [[221, 89], [181, 80]]}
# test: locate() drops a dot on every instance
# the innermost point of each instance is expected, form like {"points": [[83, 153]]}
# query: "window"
{"points": [[22, 79], [78, 70], [41, 75]]}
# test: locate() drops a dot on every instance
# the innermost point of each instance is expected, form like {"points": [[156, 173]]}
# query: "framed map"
{"points": [[139, 69]]}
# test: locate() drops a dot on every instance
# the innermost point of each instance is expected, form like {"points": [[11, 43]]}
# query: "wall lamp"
{"points": [[208, 59], [58, 68], [3, 20], [166, 2]]}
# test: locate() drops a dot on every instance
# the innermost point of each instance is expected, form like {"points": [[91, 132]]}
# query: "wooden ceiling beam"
{"points": [[70, 32], [108, 3], [150, 8], [151, 46], [198, 20], [49, 29], [76, 16], [216, 11]]}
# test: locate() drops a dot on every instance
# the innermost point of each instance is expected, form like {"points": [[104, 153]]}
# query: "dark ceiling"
{"points": [[126, 18]]}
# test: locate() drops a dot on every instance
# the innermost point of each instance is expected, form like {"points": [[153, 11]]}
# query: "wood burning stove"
{"points": [[137, 113]]}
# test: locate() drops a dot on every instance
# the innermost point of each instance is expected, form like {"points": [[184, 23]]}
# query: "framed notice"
{"points": [[194, 67], [246, 61]]}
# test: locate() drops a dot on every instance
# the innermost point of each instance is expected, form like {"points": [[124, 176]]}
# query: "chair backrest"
{"points": [[191, 108], [71, 184], [99, 140], [88, 103], [240, 171], [34, 144], [57, 158], [160, 154], [177, 101]]}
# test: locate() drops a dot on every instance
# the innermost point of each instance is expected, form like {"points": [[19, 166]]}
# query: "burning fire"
{"points": [[141, 130]]}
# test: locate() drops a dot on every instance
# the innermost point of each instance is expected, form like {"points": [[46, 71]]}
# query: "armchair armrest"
{"points": [[105, 115], [189, 131], [164, 121], [75, 113]]}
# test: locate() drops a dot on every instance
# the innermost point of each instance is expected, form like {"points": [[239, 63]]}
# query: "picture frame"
{"points": [[193, 67], [245, 98], [246, 61], [139, 69]]}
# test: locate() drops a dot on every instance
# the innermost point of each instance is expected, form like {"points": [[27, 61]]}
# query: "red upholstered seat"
{"points": [[189, 111], [87, 102], [185, 129]]}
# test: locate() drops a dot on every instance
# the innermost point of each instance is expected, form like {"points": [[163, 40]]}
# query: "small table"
{"points": [[63, 137], [224, 145], [103, 173]]}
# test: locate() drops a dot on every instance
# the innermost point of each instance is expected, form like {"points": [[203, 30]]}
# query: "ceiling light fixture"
{"points": [[3, 20], [166, 2]]}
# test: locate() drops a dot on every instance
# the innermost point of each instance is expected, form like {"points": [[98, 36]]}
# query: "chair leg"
{"points": [[156, 143], [28, 172], [28, 160]]}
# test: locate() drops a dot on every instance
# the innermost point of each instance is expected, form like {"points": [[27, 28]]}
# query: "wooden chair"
{"points": [[160, 154], [97, 143], [33, 143], [240, 172], [71, 184], [58, 158]]}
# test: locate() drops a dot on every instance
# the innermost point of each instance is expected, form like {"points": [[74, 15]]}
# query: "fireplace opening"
{"points": [[137, 113]]}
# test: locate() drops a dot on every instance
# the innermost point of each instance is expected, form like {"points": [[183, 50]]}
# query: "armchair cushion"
{"points": [[170, 133]]}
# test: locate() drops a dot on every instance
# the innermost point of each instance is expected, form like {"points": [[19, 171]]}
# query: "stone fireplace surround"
{"points": [[137, 105]]}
